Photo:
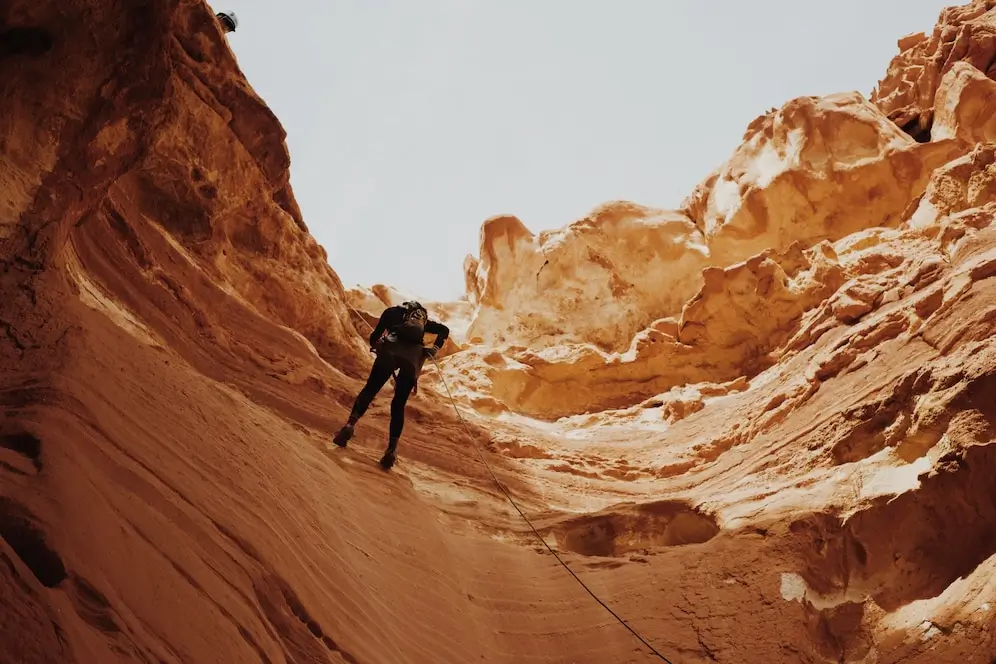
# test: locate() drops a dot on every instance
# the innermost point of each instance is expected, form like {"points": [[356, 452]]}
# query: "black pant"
{"points": [[383, 367]]}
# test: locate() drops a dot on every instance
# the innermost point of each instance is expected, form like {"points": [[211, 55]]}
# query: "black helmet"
{"points": [[414, 309], [229, 20]]}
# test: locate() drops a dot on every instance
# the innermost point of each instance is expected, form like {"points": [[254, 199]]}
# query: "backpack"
{"points": [[412, 326]]}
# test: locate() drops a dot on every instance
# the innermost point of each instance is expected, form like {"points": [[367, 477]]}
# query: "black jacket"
{"points": [[392, 316]]}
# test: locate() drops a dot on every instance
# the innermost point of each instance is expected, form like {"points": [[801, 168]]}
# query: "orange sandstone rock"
{"points": [[760, 428]]}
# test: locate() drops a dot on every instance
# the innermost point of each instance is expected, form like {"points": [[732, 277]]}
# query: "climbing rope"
{"points": [[508, 497], [530, 523]]}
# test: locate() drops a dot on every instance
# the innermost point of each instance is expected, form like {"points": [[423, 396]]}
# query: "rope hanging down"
{"points": [[530, 523], [516, 506]]}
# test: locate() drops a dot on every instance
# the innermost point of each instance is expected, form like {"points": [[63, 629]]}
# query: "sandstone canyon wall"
{"points": [[760, 427]]}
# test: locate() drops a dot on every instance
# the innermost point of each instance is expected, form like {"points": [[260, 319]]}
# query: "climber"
{"points": [[398, 341], [229, 21]]}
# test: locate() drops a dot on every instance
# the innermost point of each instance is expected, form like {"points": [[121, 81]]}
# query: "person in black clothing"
{"points": [[399, 343]]}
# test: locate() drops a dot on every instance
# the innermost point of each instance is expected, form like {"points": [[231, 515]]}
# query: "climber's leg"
{"points": [[402, 389], [381, 371]]}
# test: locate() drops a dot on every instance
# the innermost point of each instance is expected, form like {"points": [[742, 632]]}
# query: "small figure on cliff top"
{"points": [[229, 21], [399, 343]]}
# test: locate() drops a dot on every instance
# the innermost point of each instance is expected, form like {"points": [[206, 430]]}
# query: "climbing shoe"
{"points": [[390, 456], [343, 436]]}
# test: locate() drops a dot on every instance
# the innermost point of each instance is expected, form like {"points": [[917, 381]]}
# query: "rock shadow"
{"points": [[623, 529]]}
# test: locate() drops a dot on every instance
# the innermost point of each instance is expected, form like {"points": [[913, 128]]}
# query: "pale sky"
{"points": [[410, 122]]}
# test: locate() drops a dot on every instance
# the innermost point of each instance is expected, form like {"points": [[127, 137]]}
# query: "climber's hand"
{"points": [[430, 351]]}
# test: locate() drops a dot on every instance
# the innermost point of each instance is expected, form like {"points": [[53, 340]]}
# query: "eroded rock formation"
{"points": [[760, 427], [817, 169], [611, 270], [908, 93]]}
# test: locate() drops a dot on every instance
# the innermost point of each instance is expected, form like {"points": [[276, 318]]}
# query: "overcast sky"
{"points": [[411, 122]]}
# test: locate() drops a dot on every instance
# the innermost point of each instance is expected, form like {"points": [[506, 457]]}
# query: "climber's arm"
{"points": [[385, 321], [441, 331]]}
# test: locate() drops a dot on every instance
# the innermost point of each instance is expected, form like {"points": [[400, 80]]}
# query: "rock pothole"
{"points": [[25, 40], [25, 444], [20, 530], [904, 548], [624, 529]]}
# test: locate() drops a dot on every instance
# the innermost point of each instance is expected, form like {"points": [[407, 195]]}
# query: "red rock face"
{"points": [[966, 34], [767, 438]]}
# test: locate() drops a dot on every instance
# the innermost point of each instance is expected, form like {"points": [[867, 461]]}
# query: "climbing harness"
{"points": [[394, 374], [508, 497]]}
